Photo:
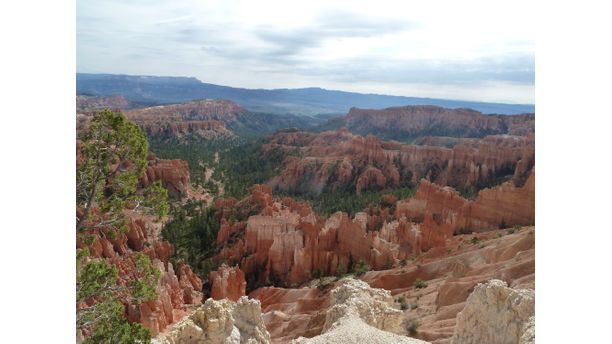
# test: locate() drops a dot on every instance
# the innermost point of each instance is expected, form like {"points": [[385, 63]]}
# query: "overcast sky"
{"points": [[472, 50]]}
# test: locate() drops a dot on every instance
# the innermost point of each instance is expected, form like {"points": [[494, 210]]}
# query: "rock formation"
{"points": [[450, 273], [495, 313], [415, 121], [355, 298], [338, 160], [86, 104], [361, 314], [285, 242], [227, 283], [174, 175], [178, 290], [220, 322], [443, 211]]}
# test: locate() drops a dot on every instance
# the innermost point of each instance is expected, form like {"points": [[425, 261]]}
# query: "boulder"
{"points": [[495, 313], [220, 322]]}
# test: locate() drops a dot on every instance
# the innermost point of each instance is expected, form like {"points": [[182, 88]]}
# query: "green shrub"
{"points": [[403, 262], [316, 273], [420, 284], [475, 240], [361, 268], [402, 301], [413, 326]]}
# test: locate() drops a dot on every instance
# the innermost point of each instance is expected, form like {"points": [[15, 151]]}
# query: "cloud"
{"points": [[378, 47], [515, 69]]}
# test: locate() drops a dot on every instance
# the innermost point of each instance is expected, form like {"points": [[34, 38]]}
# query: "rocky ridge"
{"points": [[93, 103], [407, 122], [495, 313], [361, 314], [339, 160], [220, 322]]}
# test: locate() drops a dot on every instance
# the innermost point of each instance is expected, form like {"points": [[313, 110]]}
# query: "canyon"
{"points": [[286, 241], [453, 262], [410, 122], [339, 160]]}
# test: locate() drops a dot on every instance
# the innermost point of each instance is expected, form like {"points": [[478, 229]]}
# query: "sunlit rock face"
{"points": [[220, 322], [495, 313]]}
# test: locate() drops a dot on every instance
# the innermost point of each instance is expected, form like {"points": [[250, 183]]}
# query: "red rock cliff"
{"points": [[335, 160]]}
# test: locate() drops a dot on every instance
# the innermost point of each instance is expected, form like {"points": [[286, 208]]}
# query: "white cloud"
{"points": [[476, 50]]}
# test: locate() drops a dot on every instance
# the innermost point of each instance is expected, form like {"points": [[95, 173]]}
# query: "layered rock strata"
{"points": [[407, 122], [337, 160]]}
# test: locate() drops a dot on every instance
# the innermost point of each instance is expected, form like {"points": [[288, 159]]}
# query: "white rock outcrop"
{"points": [[361, 314], [218, 322], [372, 305], [494, 313]]}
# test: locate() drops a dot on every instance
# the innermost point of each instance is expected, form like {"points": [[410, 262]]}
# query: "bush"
{"points": [[510, 231], [403, 262], [316, 273], [475, 240], [420, 284], [361, 268], [413, 326], [341, 271], [402, 301]]}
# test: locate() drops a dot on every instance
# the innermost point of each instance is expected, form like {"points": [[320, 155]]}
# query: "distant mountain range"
{"points": [[156, 90]]}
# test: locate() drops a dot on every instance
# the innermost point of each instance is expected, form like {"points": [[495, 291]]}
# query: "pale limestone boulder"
{"points": [[372, 305], [497, 314], [218, 322]]}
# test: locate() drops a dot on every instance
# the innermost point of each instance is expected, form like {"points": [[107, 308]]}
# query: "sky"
{"points": [[468, 50]]}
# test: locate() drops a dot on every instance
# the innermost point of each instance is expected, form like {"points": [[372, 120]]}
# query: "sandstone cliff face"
{"points": [[285, 242], [415, 121], [495, 313], [205, 119], [174, 175], [337, 160], [227, 283], [220, 322], [443, 211], [451, 273]]}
